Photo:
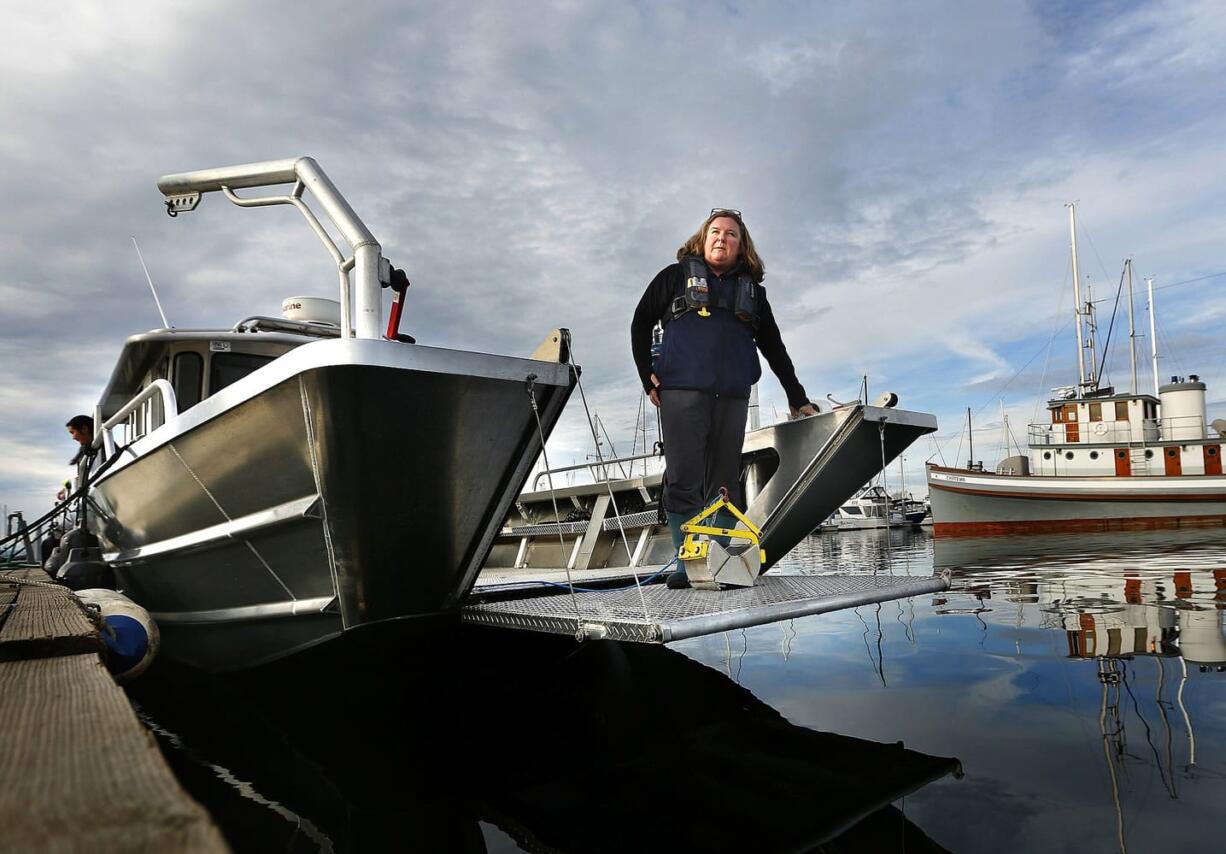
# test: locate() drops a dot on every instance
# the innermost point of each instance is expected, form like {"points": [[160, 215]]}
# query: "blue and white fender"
{"points": [[130, 634]]}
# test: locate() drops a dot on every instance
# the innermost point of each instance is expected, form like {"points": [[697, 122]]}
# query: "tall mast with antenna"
{"points": [[1081, 356], [1153, 332], [1132, 331]]}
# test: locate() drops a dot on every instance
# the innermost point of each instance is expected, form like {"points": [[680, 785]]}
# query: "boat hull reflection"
{"points": [[562, 747]]}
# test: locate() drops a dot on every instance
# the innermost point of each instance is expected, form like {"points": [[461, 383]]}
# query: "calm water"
{"points": [[1067, 694]]}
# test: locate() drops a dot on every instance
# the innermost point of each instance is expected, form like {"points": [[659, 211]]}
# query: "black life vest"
{"points": [[708, 345], [696, 294]]}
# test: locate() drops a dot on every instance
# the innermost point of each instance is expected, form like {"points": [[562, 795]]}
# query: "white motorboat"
{"points": [[868, 509], [277, 484]]}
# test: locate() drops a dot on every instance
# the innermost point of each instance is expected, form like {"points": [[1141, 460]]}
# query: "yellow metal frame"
{"points": [[694, 549]]}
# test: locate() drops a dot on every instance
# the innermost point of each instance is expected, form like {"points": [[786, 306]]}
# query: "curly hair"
{"points": [[747, 257]]}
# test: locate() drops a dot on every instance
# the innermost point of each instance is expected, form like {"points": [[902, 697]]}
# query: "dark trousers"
{"points": [[703, 436]]}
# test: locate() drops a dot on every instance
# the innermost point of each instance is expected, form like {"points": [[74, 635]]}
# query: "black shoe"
{"points": [[678, 580]]}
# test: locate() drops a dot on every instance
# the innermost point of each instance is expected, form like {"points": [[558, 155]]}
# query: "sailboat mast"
{"points": [[1081, 356], [1132, 331], [1153, 333], [970, 434], [1004, 431]]}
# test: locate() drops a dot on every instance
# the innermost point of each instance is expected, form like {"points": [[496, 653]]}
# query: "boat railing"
{"points": [[149, 409], [612, 468], [263, 323], [1181, 427], [1148, 431]]}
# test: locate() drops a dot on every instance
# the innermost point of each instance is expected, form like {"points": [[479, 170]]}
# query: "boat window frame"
{"points": [[226, 356], [186, 401]]}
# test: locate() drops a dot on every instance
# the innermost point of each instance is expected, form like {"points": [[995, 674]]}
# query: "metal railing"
{"points": [[370, 269], [1117, 432], [148, 410], [600, 469]]}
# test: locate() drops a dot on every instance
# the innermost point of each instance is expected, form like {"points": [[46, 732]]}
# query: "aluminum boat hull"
{"points": [[346, 483]]}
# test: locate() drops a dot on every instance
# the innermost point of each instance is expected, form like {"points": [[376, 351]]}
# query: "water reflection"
{"points": [[1078, 679], [533, 742], [1113, 596]]}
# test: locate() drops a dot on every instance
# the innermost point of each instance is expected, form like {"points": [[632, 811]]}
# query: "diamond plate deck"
{"points": [[674, 615]]}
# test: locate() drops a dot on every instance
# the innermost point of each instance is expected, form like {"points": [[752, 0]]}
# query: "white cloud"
{"points": [[902, 169]]}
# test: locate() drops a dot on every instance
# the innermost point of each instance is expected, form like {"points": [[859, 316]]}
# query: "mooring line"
{"points": [[609, 488], [889, 548], [530, 384]]}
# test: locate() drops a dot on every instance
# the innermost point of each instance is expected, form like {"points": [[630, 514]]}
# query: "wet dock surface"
{"points": [[78, 771]]}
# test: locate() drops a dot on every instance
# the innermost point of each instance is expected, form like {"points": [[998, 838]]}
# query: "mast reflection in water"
{"points": [[1078, 680]]}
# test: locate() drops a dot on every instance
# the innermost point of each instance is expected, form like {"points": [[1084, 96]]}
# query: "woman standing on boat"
{"points": [[715, 317]]}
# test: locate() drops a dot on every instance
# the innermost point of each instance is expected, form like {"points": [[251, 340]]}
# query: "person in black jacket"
{"points": [[715, 317]]}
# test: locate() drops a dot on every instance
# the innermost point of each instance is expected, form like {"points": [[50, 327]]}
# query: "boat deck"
{"points": [[655, 614]]}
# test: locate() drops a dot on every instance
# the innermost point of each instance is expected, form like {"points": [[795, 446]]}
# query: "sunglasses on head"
{"points": [[732, 212]]}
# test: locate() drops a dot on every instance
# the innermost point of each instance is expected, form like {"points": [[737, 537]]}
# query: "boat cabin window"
{"points": [[1096, 412], [852, 510], [188, 379], [1121, 410], [228, 368]]}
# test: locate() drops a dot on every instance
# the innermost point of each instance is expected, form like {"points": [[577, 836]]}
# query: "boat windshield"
{"points": [[228, 368]]}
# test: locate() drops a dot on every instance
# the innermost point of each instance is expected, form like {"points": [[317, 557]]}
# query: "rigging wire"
{"points": [[1190, 281], [1107, 344], [1038, 395], [1046, 347], [608, 486], [553, 497]]}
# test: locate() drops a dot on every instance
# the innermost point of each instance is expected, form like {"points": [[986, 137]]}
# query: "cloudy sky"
{"points": [[903, 168]]}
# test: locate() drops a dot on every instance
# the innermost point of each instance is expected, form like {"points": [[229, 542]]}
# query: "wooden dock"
{"points": [[78, 770]]}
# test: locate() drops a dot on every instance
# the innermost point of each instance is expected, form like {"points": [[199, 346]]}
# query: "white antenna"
{"points": [[149, 279]]}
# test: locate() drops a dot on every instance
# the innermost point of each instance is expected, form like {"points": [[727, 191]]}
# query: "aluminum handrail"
{"points": [[280, 324], [182, 193], [170, 408], [612, 461]]}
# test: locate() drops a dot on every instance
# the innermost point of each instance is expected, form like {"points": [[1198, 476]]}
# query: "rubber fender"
{"points": [[129, 632], [85, 569]]}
